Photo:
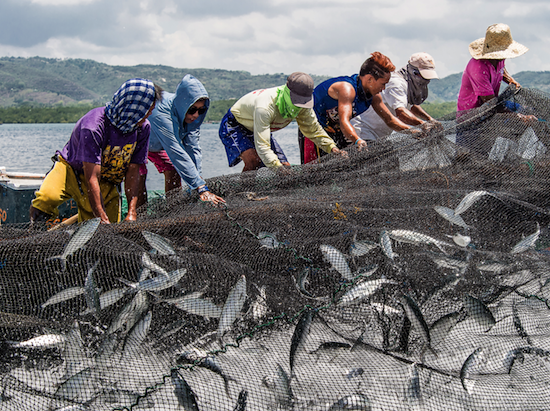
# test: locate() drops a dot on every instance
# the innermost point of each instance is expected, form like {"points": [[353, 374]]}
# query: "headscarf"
{"points": [[130, 104], [284, 103], [417, 90]]}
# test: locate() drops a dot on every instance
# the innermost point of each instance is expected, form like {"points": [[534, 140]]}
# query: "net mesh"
{"points": [[414, 275]]}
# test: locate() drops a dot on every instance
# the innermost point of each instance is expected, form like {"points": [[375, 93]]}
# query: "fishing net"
{"points": [[414, 275]]}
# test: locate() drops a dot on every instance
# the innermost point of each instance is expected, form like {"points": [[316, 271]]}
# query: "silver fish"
{"points": [[41, 342], [417, 319], [469, 200], [445, 261], [162, 245], [479, 312], [65, 295], [149, 264], [386, 309], [300, 334], [367, 271], [184, 393], [413, 392], [302, 280], [443, 326], [198, 306], [202, 359], [137, 334], [259, 306], [86, 231], [337, 260], [130, 314], [91, 293], [473, 364], [385, 243], [494, 266], [233, 305], [352, 402], [449, 215], [109, 298], [159, 282], [361, 247], [527, 243], [412, 237], [73, 353], [362, 291]]}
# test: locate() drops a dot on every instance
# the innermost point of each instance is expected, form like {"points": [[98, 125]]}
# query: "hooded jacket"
{"points": [[171, 133]]}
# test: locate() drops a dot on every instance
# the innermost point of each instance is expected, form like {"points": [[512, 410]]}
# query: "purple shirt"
{"points": [[480, 78], [95, 140]]}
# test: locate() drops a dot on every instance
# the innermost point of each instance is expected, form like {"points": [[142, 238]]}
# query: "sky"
{"points": [[321, 37]]}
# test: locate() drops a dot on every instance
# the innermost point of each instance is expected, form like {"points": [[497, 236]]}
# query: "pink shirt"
{"points": [[480, 78]]}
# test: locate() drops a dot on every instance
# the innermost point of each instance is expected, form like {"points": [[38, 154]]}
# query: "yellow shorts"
{"points": [[61, 184]]}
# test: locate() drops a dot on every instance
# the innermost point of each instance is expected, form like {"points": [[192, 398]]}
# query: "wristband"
{"points": [[357, 141], [202, 189]]}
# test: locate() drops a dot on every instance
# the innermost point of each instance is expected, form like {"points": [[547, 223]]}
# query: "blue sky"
{"points": [[276, 36]]}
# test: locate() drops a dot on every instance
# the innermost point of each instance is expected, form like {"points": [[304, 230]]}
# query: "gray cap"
{"points": [[301, 89]]}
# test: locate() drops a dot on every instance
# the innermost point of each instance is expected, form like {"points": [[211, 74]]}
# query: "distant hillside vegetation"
{"points": [[42, 81], [42, 90]]}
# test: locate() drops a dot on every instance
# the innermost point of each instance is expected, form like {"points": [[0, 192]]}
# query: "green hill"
{"points": [[45, 85]]}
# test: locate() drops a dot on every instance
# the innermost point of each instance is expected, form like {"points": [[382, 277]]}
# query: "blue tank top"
{"points": [[326, 107]]}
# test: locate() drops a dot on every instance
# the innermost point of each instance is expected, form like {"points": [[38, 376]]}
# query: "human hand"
{"points": [[527, 118], [338, 152], [431, 126], [361, 145], [208, 196]]}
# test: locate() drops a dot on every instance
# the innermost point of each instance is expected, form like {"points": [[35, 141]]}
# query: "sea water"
{"points": [[29, 148]]}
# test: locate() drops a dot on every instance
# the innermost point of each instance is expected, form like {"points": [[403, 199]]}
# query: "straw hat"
{"points": [[497, 44]]}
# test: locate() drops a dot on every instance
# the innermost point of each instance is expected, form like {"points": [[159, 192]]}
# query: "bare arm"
{"points": [[420, 113], [345, 94], [508, 79], [92, 174], [131, 189], [385, 114]]}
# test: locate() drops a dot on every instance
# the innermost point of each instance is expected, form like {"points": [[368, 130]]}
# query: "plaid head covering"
{"points": [[130, 104]]}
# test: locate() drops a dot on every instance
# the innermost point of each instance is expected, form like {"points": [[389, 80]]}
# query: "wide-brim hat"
{"points": [[497, 44]]}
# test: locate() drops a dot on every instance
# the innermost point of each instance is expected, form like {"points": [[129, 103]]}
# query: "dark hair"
{"points": [[158, 93], [377, 65]]}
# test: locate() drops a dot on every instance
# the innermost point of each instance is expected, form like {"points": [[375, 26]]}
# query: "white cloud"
{"points": [[62, 2], [316, 36]]}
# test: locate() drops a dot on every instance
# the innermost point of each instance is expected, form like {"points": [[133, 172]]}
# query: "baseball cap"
{"points": [[301, 89], [425, 64]]}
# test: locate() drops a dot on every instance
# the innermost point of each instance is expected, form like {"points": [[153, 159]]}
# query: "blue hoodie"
{"points": [[180, 140]]}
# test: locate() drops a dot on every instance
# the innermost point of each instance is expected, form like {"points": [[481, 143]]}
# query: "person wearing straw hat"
{"points": [[483, 75], [486, 70], [246, 129]]}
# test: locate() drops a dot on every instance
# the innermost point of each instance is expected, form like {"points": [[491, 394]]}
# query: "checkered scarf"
{"points": [[130, 104]]}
